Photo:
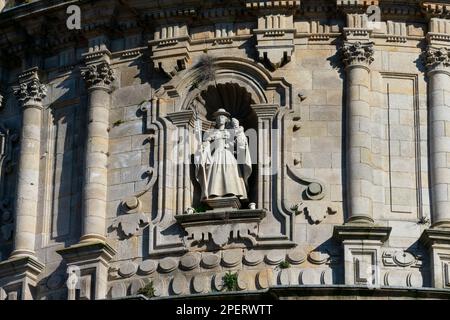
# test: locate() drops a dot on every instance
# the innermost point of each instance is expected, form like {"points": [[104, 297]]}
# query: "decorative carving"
{"points": [[30, 88], [231, 258], [1, 101], [210, 260], [357, 53], [314, 212], [170, 48], [401, 258], [98, 75], [147, 267], [317, 257], [189, 262], [275, 36], [437, 58], [167, 265], [221, 227], [131, 222], [127, 269], [315, 189], [253, 258]]}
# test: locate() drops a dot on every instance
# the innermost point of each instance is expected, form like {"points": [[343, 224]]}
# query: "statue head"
{"points": [[222, 117]]}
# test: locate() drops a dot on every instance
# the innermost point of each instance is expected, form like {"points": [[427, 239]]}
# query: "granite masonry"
{"points": [[346, 109]]}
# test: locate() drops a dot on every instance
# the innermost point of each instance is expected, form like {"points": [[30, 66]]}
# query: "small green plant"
{"points": [[148, 290], [201, 208], [230, 281], [284, 265], [118, 123]]}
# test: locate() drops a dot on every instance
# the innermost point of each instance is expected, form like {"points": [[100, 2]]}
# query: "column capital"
{"points": [[357, 53], [438, 59], [30, 90], [97, 72]]}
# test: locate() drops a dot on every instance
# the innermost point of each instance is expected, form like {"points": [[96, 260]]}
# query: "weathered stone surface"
{"points": [[201, 284], [210, 260], [147, 267], [118, 290], [253, 258], [275, 257], [354, 172], [189, 262], [180, 284], [231, 258], [127, 269], [168, 264]]}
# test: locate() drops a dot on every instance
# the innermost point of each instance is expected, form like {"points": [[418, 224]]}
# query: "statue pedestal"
{"points": [[221, 226], [223, 203]]}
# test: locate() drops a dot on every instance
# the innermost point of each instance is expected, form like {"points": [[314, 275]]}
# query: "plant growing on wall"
{"points": [[148, 290], [230, 281]]}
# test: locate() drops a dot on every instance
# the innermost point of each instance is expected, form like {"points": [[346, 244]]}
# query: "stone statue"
{"points": [[223, 163]]}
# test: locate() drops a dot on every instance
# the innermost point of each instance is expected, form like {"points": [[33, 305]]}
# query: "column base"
{"points": [[362, 252], [88, 264], [361, 220], [19, 277], [438, 243]]}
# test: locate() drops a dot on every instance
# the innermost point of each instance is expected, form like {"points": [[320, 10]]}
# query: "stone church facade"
{"points": [[346, 104]]}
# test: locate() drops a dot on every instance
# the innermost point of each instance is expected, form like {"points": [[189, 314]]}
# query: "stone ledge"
{"points": [[361, 232], [221, 227], [21, 265], [87, 251], [302, 292], [221, 217], [430, 237]]}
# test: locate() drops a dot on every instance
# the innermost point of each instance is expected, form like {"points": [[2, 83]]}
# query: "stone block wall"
{"points": [[93, 204]]}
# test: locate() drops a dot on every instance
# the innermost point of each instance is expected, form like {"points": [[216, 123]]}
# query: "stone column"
{"points": [[98, 77], [438, 64], [437, 238], [92, 255], [20, 272], [357, 57], [361, 238], [30, 94]]}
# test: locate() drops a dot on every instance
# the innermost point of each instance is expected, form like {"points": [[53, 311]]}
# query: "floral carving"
{"points": [[98, 75], [437, 57], [31, 90], [357, 53]]}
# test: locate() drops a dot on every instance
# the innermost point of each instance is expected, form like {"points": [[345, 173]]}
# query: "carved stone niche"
{"points": [[221, 227], [170, 48], [260, 102]]}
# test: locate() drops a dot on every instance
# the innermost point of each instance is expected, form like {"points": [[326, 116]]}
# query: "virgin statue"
{"points": [[223, 163]]}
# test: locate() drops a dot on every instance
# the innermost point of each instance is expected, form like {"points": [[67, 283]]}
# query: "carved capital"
{"points": [[30, 88], [357, 53], [437, 58], [98, 75]]}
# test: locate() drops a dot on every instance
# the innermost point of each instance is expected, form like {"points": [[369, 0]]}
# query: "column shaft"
{"points": [[96, 161], [28, 182], [439, 140]]}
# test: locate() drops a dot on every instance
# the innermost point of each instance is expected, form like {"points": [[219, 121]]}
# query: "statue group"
{"points": [[223, 162]]}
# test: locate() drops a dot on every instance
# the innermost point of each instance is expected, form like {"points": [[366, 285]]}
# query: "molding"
{"points": [[87, 251], [26, 266], [431, 237], [361, 232]]}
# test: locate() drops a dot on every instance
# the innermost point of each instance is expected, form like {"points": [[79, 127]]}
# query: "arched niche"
{"points": [[252, 95]]}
